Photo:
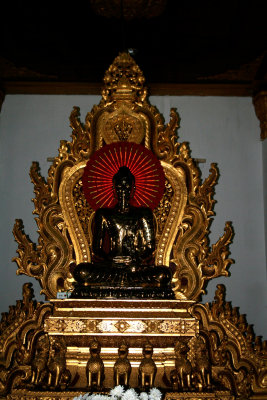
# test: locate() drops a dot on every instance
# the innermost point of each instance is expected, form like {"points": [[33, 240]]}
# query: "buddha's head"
{"points": [[123, 184]]}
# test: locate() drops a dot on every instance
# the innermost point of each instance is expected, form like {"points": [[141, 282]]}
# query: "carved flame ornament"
{"points": [[199, 351]]}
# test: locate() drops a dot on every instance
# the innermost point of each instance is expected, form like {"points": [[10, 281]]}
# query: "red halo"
{"points": [[105, 163]]}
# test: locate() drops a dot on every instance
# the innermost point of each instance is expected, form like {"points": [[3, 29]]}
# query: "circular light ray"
{"points": [[105, 163]]}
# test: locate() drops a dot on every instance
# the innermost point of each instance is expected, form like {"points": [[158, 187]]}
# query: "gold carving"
{"points": [[124, 80], [49, 260], [178, 327], [78, 236], [173, 220], [84, 211], [181, 376], [147, 368], [22, 394], [122, 367], [239, 359], [200, 363], [123, 124], [183, 216], [123, 326], [40, 359], [69, 395], [123, 129], [195, 262], [216, 395], [162, 211], [95, 367], [59, 375], [166, 145], [181, 327], [21, 330]]}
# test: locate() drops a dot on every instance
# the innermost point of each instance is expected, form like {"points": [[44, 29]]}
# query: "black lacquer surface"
{"points": [[123, 251]]}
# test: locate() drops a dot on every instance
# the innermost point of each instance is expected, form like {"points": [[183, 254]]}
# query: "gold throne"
{"points": [[235, 360]]}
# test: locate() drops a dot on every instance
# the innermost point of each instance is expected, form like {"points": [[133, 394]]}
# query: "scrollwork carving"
{"points": [[84, 211], [195, 263], [28, 260], [21, 331], [166, 146], [44, 261], [216, 262], [234, 351], [81, 145], [162, 211]]}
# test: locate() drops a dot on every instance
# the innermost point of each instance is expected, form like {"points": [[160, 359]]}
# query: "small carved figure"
{"points": [[219, 300], [122, 367], [147, 368], [40, 359], [220, 352], [95, 367], [202, 364], [58, 374], [181, 376], [28, 295], [23, 353]]}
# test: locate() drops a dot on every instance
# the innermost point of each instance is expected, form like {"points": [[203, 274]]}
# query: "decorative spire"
{"points": [[124, 80]]}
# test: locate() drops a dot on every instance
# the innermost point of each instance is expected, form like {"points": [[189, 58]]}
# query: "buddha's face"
{"points": [[123, 183], [123, 189]]}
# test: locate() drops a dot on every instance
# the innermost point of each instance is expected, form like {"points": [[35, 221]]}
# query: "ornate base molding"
{"points": [[216, 395], [42, 395], [69, 395], [134, 322]]}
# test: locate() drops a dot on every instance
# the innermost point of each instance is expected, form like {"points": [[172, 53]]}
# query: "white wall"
{"points": [[264, 159], [220, 129]]}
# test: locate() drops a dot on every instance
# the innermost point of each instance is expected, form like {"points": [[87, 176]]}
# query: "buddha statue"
{"points": [[123, 249]]}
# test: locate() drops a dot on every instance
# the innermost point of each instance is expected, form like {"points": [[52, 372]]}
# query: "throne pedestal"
{"points": [[161, 323], [111, 322]]}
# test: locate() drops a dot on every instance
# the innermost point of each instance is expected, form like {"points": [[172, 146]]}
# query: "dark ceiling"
{"points": [[190, 42]]}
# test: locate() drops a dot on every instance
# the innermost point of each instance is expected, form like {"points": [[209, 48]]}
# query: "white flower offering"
{"points": [[118, 393]]}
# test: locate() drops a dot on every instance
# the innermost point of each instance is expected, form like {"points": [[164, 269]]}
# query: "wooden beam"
{"points": [[160, 89]]}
